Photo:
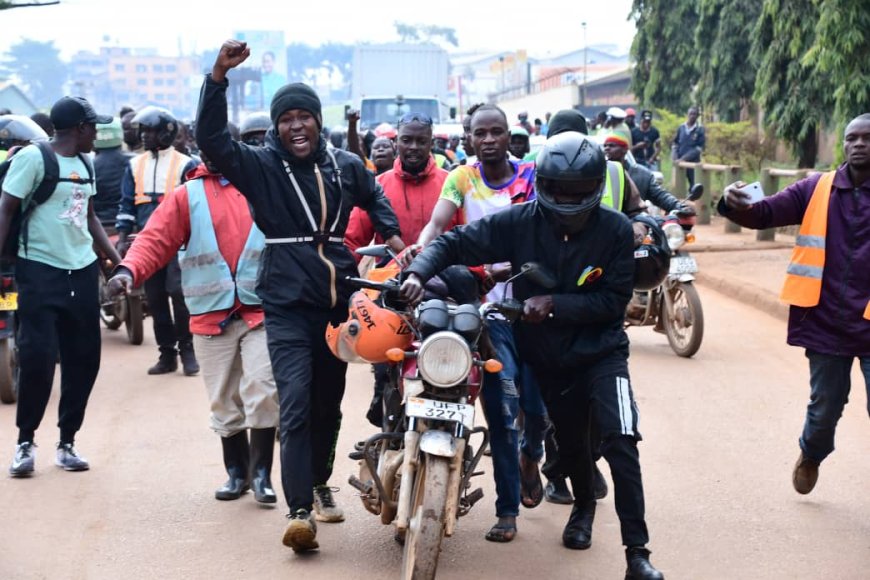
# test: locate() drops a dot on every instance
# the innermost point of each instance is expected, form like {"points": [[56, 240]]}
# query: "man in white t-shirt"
{"points": [[56, 270]]}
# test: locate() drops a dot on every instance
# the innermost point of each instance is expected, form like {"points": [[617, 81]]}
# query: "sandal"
{"points": [[531, 488], [502, 533]]}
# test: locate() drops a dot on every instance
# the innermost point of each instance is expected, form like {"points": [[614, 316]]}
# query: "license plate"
{"points": [[9, 302], [683, 265], [429, 409]]}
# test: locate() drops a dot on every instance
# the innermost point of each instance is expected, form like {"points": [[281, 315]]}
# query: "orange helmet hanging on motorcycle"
{"points": [[369, 332]]}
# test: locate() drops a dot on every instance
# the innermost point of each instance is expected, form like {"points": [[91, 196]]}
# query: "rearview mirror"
{"points": [[375, 251], [538, 275], [696, 192]]}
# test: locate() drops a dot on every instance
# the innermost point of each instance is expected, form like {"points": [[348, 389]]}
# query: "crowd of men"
{"points": [[243, 236]]}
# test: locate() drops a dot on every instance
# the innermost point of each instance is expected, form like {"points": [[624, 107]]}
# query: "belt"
{"points": [[319, 238]]}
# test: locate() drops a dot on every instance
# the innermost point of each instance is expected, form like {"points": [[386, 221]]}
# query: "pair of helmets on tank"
{"points": [[368, 333], [160, 120]]}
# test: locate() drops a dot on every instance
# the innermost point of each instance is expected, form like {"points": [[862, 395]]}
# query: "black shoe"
{"points": [[556, 491], [167, 363], [236, 461], [639, 568], [262, 450], [188, 359], [600, 485], [578, 531]]}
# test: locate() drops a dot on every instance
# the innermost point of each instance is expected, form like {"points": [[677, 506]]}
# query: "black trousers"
{"points": [[310, 383], [161, 289], [58, 310], [599, 396]]}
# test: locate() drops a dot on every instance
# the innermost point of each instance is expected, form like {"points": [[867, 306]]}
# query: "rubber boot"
{"points": [[262, 450], [188, 359], [236, 461]]}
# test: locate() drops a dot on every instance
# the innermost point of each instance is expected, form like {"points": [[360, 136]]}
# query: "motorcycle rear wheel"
{"points": [[135, 318], [426, 528], [8, 372], [684, 324]]}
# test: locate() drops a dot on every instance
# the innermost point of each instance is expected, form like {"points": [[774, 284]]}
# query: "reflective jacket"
{"points": [[206, 278]]}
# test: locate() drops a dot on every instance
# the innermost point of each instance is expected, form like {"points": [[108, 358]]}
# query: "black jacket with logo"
{"points": [[297, 274], [594, 269]]}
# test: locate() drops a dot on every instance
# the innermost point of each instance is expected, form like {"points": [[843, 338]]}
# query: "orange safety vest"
{"points": [[172, 177], [803, 279]]}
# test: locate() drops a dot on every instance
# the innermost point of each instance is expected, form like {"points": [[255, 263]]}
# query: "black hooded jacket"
{"points": [[594, 269], [293, 274]]}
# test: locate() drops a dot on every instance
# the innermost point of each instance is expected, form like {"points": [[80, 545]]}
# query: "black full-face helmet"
{"points": [[569, 179], [652, 259], [254, 127], [159, 119]]}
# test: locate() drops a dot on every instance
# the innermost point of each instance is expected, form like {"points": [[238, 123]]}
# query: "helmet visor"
{"points": [[569, 196]]}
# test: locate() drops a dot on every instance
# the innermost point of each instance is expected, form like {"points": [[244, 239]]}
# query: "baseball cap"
{"points": [[71, 111], [646, 114], [629, 112], [616, 113]]}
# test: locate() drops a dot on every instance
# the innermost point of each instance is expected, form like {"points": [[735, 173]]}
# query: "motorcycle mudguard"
{"points": [[438, 443]]}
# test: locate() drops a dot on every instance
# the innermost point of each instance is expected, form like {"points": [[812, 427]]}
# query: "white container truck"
{"points": [[390, 80]]}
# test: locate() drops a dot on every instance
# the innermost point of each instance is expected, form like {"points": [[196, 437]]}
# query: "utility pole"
{"points": [[501, 65], [585, 64]]}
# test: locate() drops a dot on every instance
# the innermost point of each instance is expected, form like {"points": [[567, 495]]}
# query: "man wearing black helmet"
{"points": [[572, 334], [150, 176], [253, 129]]}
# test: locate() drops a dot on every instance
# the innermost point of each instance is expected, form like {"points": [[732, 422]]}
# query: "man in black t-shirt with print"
{"points": [[647, 142]]}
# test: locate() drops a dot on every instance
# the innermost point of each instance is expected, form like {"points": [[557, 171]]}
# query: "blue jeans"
{"points": [[829, 392], [503, 396]]}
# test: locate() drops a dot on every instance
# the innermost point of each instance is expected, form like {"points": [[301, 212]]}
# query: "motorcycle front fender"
{"points": [[438, 443]]}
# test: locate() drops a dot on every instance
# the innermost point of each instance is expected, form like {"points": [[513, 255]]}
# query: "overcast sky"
{"points": [[196, 25]]}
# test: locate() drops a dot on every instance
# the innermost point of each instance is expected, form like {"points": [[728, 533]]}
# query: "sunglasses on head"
{"points": [[415, 117]]}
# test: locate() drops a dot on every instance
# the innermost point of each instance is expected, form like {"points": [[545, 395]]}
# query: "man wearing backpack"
{"points": [[56, 271]]}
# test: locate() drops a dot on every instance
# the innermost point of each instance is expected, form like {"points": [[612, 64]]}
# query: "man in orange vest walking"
{"points": [[827, 283]]}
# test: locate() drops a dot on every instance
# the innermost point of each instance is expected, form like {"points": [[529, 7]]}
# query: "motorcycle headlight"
{"points": [[675, 234], [444, 359]]}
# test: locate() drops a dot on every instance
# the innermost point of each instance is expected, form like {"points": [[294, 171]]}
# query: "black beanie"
{"points": [[567, 120], [295, 96]]}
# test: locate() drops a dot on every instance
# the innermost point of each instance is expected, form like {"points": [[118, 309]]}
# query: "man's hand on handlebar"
{"points": [[407, 255], [412, 289], [538, 308], [120, 284]]}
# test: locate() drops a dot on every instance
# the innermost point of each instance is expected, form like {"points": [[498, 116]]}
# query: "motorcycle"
{"points": [[415, 473], [129, 309], [8, 327], [674, 307]]}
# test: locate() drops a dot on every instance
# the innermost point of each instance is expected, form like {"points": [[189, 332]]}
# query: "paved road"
{"points": [[720, 441]]}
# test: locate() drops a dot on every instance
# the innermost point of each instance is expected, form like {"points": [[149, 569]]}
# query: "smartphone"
{"points": [[755, 192]]}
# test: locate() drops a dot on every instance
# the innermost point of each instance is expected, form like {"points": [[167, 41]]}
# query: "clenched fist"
{"points": [[232, 54]]}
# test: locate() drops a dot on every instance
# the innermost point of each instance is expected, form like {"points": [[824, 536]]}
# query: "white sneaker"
{"points": [[69, 459], [325, 509], [23, 462]]}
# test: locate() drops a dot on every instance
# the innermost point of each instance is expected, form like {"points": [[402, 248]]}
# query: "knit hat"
{"points": [[295, 96], [567, 120], [616, 136]]}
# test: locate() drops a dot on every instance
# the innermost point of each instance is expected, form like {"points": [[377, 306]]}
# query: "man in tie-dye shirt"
{"points": [[490, 185]]}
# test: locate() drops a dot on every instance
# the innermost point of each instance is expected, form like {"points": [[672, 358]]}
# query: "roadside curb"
{"points": [[746, 293]]}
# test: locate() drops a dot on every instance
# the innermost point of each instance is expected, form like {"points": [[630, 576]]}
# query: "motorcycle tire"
{"points": [[135, 320], [684, 325], [8, 372], [108, 312], [426, 527]]}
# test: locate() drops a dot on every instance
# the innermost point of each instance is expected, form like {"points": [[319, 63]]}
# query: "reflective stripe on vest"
{"points": [[206, 279], [173, 178], [803, 279], [615, 174]]}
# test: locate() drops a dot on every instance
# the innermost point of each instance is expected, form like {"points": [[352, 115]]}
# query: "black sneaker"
{"points": [[638, 565], [301, 532], [188, 360], [165, 364], [556, 491]]}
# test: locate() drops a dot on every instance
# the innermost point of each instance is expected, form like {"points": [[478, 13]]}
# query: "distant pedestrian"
{"points": [[827, 284], [689, 142], [647, 143]]}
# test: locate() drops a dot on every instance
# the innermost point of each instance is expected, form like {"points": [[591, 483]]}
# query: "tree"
{"points": [[726, 79], [796, 100], [839, 54], [664, 49], [38, 66], [423, 33]]}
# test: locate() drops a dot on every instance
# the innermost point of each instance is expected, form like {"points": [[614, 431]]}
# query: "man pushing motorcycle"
{"points": [[572, 335]]}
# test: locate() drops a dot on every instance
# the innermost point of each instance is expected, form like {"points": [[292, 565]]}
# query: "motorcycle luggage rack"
{"points": [[373, 469]]}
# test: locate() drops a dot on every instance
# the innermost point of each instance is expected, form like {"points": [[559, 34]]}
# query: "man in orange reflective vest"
{"points": [[827, 283]]}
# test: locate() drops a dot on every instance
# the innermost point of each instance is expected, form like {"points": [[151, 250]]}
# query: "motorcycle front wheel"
{"points": [[426, 527], [684, 322], [135, 318], [108, 312]]}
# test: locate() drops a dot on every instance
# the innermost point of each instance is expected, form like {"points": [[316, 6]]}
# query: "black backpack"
{"points": [[44, 190]]}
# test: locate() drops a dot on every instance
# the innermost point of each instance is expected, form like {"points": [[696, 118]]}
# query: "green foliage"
{"points": [[664, 52], [38, 66], [426, 33], [841, 55], [796, 100], [738, 144], [727, 76]]}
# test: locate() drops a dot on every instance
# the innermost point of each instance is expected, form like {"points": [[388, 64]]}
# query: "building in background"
{"points": [[14, 99]]}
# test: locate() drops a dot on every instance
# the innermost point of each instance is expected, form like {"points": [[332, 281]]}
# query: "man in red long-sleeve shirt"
{"points": [[210, 219]]}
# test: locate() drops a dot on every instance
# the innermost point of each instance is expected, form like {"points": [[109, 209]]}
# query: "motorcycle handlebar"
{"points": [[389, 286]]}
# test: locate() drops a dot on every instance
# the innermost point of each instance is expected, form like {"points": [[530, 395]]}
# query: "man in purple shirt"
{"points": [[837, 328]]}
